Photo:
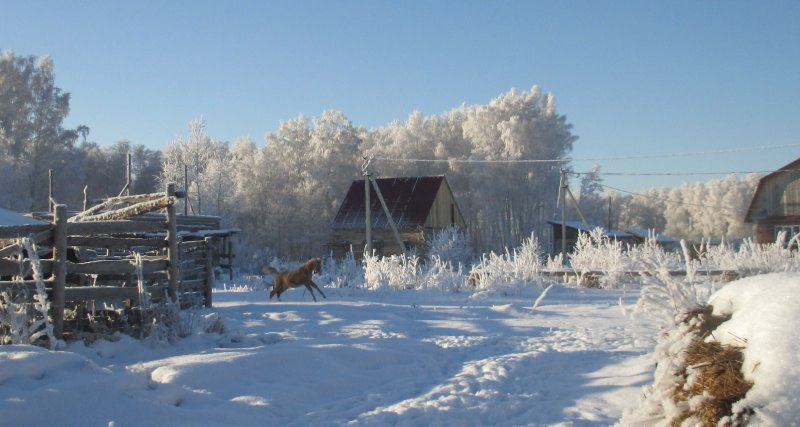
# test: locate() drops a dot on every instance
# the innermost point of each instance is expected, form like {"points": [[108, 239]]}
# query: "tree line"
{"points": [[284, 192]]}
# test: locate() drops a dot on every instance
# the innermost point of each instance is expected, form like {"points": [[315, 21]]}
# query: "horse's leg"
{"points": [[320, 290], [311, 291]]}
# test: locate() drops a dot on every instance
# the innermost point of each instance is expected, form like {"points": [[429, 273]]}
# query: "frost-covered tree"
{"points": [[501, 202], [189, 157], [32, 111], [701, 210]]}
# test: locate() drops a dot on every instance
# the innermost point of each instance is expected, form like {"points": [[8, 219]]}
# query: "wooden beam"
{"points": [[122, 266], [17, 231], [94, 228], [115, 242], [85, 293]]}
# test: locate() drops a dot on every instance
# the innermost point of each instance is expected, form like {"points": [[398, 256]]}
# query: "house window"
{"points": [[791, 232]]}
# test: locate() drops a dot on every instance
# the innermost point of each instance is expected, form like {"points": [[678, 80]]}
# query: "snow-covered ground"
{"points": [[411, 358], [576, 357]]}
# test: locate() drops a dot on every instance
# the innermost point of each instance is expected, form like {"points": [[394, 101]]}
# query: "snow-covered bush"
{"points": [[664, 296], [396, 271], [449, 245], [441, 275], [596, 252], [343, 273], [22, 322], [751, 258], [509, 271]]}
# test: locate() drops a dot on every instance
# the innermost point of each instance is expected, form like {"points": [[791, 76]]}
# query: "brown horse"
{"points": [[300, 276]]}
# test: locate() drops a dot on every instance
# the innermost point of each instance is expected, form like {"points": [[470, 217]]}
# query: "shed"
{"points": [[666, 242], [419, 207], [575, 227], [775, 206]]}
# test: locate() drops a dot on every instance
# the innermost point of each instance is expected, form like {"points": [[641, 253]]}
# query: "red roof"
{"points": [[408, 199]]}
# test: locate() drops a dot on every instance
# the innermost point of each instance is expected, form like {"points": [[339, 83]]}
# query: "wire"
{"points": [[693, 153], [676, 202], [681, 173], [390, 159], [587, 159]]}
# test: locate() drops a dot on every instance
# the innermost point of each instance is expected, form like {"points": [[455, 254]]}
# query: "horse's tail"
{"points": [[269, 270]]}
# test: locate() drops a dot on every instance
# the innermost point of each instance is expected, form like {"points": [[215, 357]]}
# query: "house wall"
{"points": [[778, 197], [383, 241], [444, 211]]}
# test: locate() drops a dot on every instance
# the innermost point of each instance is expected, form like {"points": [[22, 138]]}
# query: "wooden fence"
{"points": [[94, 261]]}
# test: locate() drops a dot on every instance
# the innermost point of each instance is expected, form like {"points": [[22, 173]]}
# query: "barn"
{"points": [[419, 207], [775, 206]]}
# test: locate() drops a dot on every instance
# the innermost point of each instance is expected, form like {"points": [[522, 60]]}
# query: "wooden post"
{"points": [[229, 245], [389, 217], [173, 271], [59, 269], [128, 175], [367, 216], [50, 191], [209, 285], [562, 199], [186, 190]]}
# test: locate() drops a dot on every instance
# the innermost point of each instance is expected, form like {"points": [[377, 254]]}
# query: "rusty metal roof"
{"points": [[408, 199]]}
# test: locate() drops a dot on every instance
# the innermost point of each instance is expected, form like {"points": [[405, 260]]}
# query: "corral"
{"points": [[113, 261]]}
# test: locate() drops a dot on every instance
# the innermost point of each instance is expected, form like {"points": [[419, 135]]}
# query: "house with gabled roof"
{"points": [[419, 206], [775, 206]]}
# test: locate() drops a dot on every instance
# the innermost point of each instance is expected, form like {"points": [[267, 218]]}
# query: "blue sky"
{"points": [[635, 78]]}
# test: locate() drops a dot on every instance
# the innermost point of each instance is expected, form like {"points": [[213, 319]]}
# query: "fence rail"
{"points": [[94, 260]]}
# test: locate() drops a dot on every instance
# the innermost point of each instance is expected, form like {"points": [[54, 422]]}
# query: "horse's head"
{"points": [[315, 265]]}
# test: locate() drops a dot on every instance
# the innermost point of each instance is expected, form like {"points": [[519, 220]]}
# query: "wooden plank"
{"points": [[84, 293], [193, 245], [194, 284], [9, 251], [112, 227], [9, 267], [30, 285], [59, 271], [116, 242], [209, 279], [17, 231], [116, 267]]}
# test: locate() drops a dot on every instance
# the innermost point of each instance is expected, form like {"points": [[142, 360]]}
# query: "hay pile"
{"points": [[737, 363], [712, 375]]}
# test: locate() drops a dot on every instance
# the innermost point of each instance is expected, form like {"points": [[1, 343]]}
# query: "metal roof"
{"points": [[408, 199]]}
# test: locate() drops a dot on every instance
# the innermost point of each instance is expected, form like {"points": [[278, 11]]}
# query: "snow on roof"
{"points": [[580, 226], [11, 218], [645, 233]]}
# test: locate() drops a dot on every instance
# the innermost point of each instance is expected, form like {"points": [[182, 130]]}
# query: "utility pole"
{"points": [[128, 174], [367, 207], [562, 200]]}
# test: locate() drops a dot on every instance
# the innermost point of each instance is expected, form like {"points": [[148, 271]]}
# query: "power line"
{"points": [[587, 159], [676, 202], [681, 173], [692, 153]]}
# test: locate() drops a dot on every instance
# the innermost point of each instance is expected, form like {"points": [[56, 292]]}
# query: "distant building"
{"points": [[419, 207], [630, 236], [776, 204]]}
